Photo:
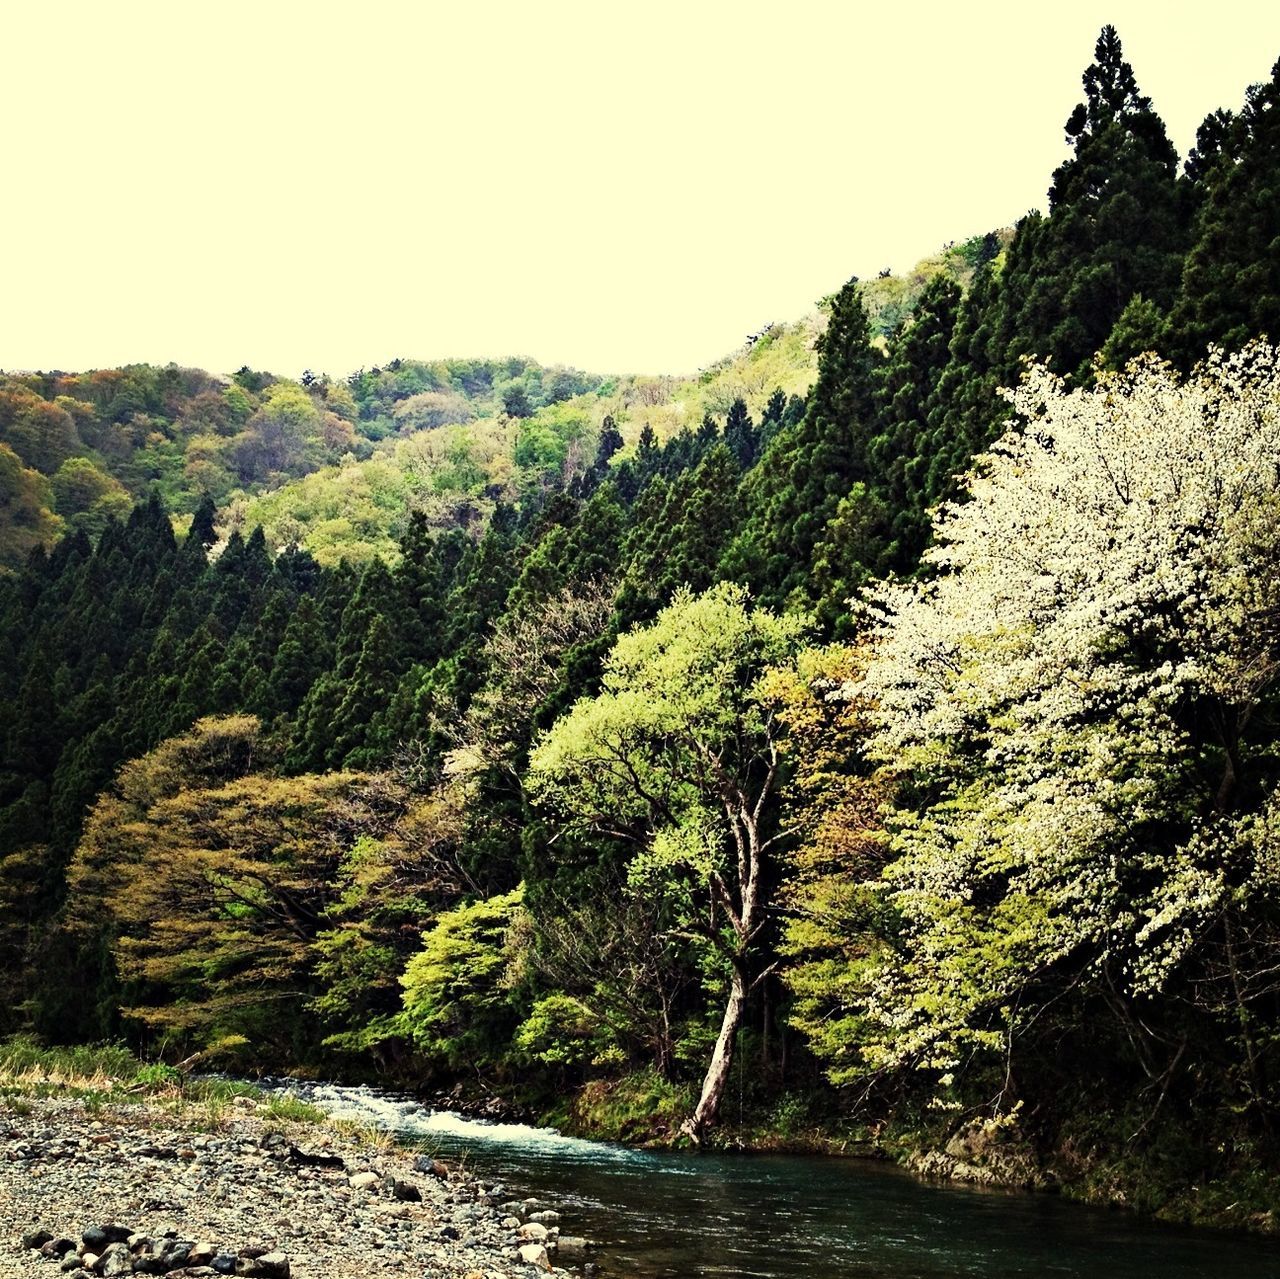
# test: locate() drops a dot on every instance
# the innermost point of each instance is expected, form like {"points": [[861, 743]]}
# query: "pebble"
{"points": [[128, 1191]]}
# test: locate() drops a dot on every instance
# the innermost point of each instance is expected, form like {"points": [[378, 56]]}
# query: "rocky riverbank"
{"points": [[130, 1188]]}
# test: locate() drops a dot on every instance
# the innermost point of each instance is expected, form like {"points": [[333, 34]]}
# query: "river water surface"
{"points": [[793, 1216]]}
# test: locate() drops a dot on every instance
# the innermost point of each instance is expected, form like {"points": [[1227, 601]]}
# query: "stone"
{"points": [[177, 1254], [201, 1254], [36, 1238], [534, 1231], [534, 1254], [574, 1244], [405, 1191], [547, 1218], [510, 1223], [223, 1264], [57, 1247], [315, 1159], [363, 1180], [424, 1163], [98, 1237], [88, 1259], [270, 1265], [115, 1261], [70, 1262]]}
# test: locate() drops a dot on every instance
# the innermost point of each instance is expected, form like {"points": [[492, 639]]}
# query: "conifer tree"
{"points": [[1116, 228], [1231, 282], [809, 467], [740, 434]]}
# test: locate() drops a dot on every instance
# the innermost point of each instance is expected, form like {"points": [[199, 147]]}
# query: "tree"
{"points": [[26, 522], [456, 1003], [1117, 227], [741, 437], [833, 802], [678, 758], [1078, 702], [1231, 282], [797, 485], [87, 497], [215, 878]]}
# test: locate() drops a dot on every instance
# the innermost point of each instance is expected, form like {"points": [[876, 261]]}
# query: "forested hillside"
{"points": [[838, 727]]}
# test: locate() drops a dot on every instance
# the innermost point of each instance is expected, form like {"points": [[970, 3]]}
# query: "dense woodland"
{"points": [[833, 731]]}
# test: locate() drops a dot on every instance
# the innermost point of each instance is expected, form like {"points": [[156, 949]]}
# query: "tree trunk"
{"points": [[717, 1077]]}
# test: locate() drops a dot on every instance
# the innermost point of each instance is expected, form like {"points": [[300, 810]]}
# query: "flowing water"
{"points": [[788, 1216]]}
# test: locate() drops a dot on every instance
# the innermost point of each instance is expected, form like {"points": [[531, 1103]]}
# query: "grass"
{"points": [[99, 1075], [364, 1135]]}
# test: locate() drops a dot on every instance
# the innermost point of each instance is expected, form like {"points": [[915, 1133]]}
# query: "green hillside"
{"points": [[870, 743]]}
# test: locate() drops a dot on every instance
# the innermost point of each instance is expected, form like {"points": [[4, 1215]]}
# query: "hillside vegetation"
{"points": [[880, 728]]}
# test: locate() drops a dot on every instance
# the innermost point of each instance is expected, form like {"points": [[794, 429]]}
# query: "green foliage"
{"points": [[457, 997], [447, 628], [26, 518], [1231, 279]]}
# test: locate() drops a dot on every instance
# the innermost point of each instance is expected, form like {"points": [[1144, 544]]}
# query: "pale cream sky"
{"points": [[619, 186]]}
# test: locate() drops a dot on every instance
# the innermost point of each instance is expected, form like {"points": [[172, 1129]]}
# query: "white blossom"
{"points": [[1066, 691]]}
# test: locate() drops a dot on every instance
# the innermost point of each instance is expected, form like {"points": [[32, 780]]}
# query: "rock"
{"points": [[223, 1264], [405, 1191], [36, 1238], [424, 1163], [116, 1260], [316, 1159], [534, 1231], [510, 1223], [534, 1254], [201, 1254], [547, 1218], [88, 1259], [57, 1247], [574, 1244], [98, 1237], [363, 1180], [270, 1265], [449, 1232], [70, 1262], [177, 1255]]}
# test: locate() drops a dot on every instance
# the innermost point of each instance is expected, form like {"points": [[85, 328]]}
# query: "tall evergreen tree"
{"points": [[809, 467], [1116, 228], [1231, 282]]}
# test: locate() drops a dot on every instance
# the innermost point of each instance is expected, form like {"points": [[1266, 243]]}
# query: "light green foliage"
{"points": [[87, 497], [456, 996], [677, 757], [647, 758], [561, 1031], [358, 511]]}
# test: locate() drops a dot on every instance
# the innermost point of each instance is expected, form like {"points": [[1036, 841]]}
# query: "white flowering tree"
{"points": [[1073, 702]]}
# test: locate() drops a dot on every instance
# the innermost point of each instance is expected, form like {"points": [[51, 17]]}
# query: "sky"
{"points": [[618, 186]]}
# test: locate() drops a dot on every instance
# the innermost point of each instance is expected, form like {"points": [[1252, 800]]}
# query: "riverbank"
{"points": [[1176, 1174], [248, 1193]]}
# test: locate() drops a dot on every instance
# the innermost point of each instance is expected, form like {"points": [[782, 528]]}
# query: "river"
{"points": [[793, 1216]]}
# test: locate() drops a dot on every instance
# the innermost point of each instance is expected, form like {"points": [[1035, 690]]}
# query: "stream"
{"points": [[788, 1216]]}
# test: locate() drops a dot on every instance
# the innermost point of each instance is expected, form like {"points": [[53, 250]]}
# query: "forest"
{"points": [[870, 739]]}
